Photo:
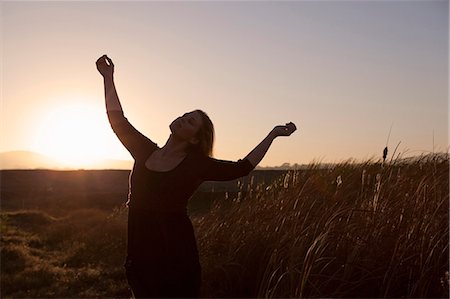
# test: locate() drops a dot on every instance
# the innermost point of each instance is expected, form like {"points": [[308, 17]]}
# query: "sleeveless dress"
{"points": [[162, 257]]}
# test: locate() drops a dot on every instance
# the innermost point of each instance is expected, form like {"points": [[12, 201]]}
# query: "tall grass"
{"points": [[354, 230], [351, 230]]}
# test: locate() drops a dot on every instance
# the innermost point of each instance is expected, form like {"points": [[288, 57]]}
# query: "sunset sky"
{"points": [[343, 71]]}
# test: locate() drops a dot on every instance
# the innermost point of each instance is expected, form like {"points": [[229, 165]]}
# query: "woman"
{"points": [[162, 258]]}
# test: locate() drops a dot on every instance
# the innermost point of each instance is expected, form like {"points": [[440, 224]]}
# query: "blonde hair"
{"points": [[205, 135]]}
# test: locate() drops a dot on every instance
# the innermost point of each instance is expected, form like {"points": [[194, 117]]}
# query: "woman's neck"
{"points": [[174, 147]]}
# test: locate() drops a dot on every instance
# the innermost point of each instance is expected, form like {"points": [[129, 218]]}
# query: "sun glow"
{"points": [[76, 135]]}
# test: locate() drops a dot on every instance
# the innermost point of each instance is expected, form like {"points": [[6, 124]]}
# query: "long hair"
{"points": [[205, 136]]}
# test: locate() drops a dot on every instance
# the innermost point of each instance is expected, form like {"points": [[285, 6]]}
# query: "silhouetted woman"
{"points": [[162, 258]]}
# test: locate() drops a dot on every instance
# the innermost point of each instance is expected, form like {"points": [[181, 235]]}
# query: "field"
{"points": [[352, 230]]}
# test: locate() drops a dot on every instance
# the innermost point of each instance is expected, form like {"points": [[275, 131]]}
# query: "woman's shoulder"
{"points": [[198, 156], [199, 161]]}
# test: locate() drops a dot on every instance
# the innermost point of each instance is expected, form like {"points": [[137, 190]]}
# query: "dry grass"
{"points": [[79, 255], [354, 230]]}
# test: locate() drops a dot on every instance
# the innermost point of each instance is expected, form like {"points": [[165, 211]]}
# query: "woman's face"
{"points": [[187, 126]]}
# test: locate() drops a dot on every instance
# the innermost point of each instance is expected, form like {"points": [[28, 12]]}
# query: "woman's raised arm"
{"points": [[258, 153], [106, 68], [221, 170], [136, 143]]}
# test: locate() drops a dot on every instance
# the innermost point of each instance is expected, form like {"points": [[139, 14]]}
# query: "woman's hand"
{"points": [[286, 130], [105, 69], [256, 155]]}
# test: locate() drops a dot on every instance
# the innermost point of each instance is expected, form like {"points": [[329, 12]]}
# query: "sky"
{"points": [[345, 72]]}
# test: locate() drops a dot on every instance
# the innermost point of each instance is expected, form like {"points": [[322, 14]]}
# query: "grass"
{"points": [[351, 230], [354, 230], [79, 255]]}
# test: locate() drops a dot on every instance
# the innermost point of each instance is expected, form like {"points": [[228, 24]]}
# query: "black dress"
{"points": [[162, 257]]}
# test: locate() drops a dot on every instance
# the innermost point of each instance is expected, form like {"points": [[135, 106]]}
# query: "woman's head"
{"points": [[196, 128]]}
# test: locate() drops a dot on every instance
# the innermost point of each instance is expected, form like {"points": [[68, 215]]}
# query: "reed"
{"points": [[354, 230]]}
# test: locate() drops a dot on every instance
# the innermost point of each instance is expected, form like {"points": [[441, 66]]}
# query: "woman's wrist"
{"points": [[108, 78], [272, 135]]}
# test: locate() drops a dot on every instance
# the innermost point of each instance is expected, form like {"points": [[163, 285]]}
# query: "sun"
{"points": [[76, 135]]}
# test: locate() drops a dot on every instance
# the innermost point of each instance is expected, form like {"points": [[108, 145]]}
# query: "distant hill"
{"points": [[32, 160], [26, 160]]}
